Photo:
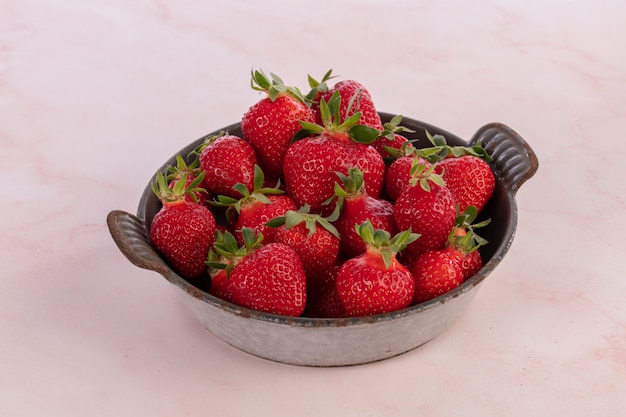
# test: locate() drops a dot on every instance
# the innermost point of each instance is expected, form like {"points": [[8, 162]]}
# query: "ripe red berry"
{"points": [[182, 231], [270, 124]]}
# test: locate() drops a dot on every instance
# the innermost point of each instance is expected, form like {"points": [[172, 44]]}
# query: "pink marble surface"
{"points": [[95, 95]]}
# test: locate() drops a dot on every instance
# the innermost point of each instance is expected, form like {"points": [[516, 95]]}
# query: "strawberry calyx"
{"points": [[392, 127], [441, 150], [179, 190], [380, 242], [303, 215], [353, 187], [274, 86], [463, 236], [176, 172], [318, 87], [423, 174], [226, 252], [438, 150], [333, 125], [258, 194], [207, 140]]}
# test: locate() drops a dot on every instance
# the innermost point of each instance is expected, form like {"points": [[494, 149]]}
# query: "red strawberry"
{"points": [[439, 271], [190, 171], [227, 160], [375, 282], [271, 123], [354, 98], [436, 272], [255, 208], [312, 236], [469, 178], [268, 278], [471, 263], [427, 208], [181, 231], [356, 206], [311, 164]]}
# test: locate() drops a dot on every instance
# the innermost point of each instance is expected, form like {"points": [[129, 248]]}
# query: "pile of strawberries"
{"points": [[322, 210]]}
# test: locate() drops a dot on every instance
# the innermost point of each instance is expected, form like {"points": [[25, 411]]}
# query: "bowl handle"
{"points": [[513, 159], [129, 233]]}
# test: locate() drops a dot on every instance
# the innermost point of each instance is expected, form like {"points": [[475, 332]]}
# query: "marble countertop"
{"points": [[95, 95]]}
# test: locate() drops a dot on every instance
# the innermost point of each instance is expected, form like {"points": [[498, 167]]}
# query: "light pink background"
{"points": [[95, 95]]}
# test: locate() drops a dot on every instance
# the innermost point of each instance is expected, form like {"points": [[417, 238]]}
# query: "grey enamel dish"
{"points": [[339, 342]]}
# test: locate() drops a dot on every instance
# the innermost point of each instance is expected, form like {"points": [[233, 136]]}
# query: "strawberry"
{"points": [[375, 282], [264, 277], [190, 172], [436, 272], [439, 271], [311, 162], [427, 207], [255, 208], [318, 247], [354, 98], [354, 207], [226, 160], [469, 178], [182, 231], [471, 263], [271, 123]]}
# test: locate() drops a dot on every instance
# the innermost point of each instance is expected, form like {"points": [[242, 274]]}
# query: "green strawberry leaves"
{"points": [[423, 175], [332, 123], [226, 252], [441, 150], [259, 192], [273, 86], [438, 150], [463, 235], [293, 218], [318, 86], [382, 242]]}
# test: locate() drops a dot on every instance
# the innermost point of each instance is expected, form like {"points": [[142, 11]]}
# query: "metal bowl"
{"points": [[346, 341]]}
